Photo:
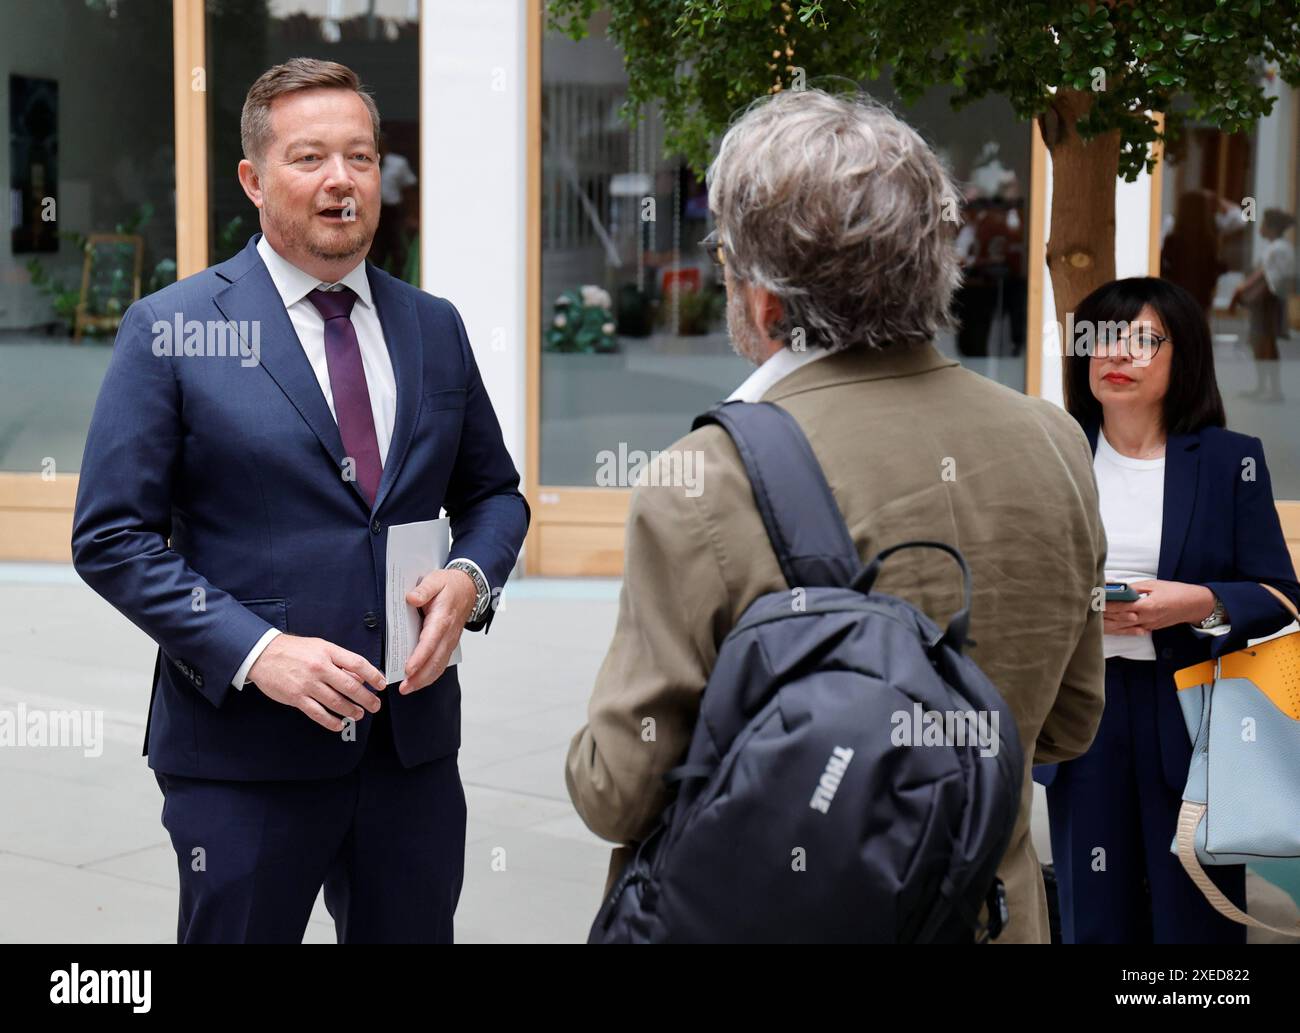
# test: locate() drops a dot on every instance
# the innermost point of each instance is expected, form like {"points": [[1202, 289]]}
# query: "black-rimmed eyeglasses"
{"points": [[1142, 345]]}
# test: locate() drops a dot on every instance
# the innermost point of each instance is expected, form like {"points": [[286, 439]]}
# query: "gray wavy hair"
{"points": [[840, 209]]}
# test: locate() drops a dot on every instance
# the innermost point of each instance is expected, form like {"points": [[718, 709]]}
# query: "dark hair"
{"points": [[1278, 221], [1192, 401]]}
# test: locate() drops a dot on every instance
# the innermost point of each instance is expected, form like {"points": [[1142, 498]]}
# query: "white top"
{"points": [[778, 367], [1278, 262], [394, 174], [1131, 493]]}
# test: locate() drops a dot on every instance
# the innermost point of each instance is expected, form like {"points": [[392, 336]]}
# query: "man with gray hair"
{"points": [[835, 228]]}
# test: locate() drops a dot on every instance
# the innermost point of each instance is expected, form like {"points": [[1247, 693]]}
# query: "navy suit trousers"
{"points": [[386, 842]]}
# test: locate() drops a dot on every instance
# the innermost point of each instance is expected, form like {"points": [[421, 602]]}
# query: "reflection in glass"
{"points": [[634, 339], [91, 175], [1228, 236]]}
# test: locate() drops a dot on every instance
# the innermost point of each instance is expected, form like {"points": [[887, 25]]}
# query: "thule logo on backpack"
{"points": [[824, 792]]}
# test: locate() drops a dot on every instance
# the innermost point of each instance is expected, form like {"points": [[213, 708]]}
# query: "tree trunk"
{"points": [[1081, 250]]}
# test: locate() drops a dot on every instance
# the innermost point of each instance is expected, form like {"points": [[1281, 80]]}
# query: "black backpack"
{"points": [[801, 812]]}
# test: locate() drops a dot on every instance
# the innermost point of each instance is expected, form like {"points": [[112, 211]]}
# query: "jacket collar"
{"points": [[857, 364]]}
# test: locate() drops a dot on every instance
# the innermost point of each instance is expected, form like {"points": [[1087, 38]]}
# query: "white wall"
{"points": [[472, 181]]}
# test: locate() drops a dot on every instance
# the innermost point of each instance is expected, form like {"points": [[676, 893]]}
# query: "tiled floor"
{"points": [[84, 858]]}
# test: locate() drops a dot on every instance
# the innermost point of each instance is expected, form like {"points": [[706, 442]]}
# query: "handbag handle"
{"points": [[1190, 815], [1290, 606]]}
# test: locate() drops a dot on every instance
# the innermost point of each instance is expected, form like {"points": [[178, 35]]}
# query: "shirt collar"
{"points": [[780, 365], [293, 284]]}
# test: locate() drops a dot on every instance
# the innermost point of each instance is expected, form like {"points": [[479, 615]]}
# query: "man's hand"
{"points": [[446, 598], [319, 678], [1163, 604]]}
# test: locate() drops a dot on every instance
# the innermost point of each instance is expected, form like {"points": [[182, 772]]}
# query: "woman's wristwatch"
{"points": [[1217, 616], [483, 593]]}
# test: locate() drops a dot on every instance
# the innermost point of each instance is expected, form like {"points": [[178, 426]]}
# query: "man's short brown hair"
{"points": [[299, 73]]}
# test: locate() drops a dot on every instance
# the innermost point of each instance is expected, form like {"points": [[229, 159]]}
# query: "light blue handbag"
{"points": [[1242, 799]]}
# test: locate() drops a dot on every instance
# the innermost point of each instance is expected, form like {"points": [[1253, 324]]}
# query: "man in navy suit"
{"points": [[260, 427]]}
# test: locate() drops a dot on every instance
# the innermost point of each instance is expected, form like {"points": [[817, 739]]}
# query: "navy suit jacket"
{"points": [[1220, 529], [213, 506]]}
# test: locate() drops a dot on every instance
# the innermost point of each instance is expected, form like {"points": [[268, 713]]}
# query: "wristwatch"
{"points": [[1217, 617], [484, 593]]}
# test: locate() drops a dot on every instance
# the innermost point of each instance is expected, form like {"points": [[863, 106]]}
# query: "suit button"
{"points": [[1166, 653], [371, 620], [376, 527]]}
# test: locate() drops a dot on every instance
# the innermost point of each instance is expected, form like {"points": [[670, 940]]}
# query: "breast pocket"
{"points": [[449, 398]]}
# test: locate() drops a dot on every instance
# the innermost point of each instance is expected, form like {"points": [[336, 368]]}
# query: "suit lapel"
{"points": [[251, 296], [1092, 430], [402, 336], [1182, 469]]}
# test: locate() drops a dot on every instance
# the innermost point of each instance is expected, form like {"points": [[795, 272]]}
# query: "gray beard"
{"points": [[745, 339]]}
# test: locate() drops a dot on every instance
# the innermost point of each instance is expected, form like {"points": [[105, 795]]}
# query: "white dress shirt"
{"points": [[293, 286], [778, 367]]}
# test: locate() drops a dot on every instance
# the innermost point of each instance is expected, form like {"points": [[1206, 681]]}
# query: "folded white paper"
{"points": [[413, 551]]}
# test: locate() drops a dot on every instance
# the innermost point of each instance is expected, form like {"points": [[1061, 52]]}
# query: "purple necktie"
{"points": [[348, 386]]}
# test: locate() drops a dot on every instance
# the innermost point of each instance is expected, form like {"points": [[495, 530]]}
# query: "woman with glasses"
{"points": [[1192, 529]]}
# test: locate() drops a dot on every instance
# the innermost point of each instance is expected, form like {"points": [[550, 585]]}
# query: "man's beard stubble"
{"points": [[744, 336], [297, 233]]}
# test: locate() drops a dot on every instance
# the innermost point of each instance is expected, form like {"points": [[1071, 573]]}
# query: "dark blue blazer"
{"points": [[1220, 529], [213, 506]]}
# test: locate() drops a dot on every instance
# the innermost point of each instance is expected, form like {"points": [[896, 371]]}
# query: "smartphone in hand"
{"points": [[1119, 592]]}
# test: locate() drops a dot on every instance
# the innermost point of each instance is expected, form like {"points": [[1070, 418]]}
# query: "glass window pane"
{"points": [[634, 338], [91, 175], [377, 39], [1228, 207]]}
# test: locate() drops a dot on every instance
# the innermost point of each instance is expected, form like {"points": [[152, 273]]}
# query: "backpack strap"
{"points": [[803, 523]]}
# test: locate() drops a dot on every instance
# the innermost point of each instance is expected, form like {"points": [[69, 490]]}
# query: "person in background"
{"points": [[395, 178], [1190, 255], [1264, 293], [1191, 525]]}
